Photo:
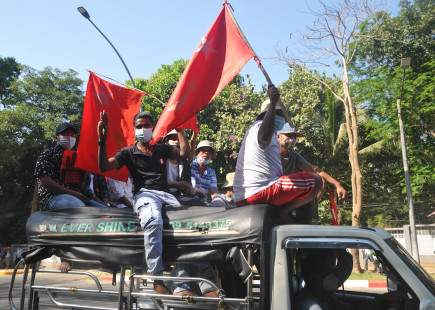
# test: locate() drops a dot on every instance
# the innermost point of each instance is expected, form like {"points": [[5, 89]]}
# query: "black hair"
{"points": [[143, 115]]}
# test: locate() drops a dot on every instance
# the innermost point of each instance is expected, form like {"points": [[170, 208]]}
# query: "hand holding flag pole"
{"points": [[269, 81]]}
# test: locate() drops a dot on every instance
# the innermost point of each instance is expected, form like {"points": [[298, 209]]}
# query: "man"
{"points": [[291, 160], [55, 192], [60, 182], [96, 190], [18, 253], [179, 175], [225, 200], [147, 167], [324, 271], [203, 177], [120, 193], [259, 176]]}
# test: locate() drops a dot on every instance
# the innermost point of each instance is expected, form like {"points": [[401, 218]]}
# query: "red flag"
{"points": [[220, 55], [121, 105], [334, 210]]}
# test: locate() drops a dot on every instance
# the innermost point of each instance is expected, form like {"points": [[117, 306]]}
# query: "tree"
{"points": [[161, 85], [333, 35], [378, 84], [37, 102], [9, 71]]}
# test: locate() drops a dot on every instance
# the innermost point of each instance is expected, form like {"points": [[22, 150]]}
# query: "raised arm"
{"points": [[183, 150], [267, 128], [192, 145], [104, 163], [341, 192]]}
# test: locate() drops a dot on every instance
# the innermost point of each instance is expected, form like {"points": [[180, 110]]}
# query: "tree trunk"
{"points": [[352, 132]]}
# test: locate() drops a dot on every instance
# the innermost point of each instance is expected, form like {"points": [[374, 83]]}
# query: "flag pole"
{"points": [[269, 81]]}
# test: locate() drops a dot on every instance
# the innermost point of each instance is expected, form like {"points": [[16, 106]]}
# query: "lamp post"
{"points": [[405, 63], [86, 15]]}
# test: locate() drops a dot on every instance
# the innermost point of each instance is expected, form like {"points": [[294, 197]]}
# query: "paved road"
{"points": [[67, 280]]}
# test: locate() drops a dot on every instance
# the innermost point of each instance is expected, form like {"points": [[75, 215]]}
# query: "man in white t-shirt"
{"points": [[259, 175], [120, 193]]}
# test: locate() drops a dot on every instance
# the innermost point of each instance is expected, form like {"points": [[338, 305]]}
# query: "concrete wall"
{"points": [[425, 240]]}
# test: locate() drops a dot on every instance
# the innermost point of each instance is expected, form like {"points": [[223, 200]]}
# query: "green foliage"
{"points": [[161, 84], [9, 71], [38, 101], [378, 84]]}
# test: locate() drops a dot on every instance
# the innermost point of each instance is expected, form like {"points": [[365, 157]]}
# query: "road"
{"points": [[80, 281], [60, 280]]}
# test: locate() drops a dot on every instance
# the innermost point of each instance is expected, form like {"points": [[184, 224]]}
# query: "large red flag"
{"points": [[220, 55], [121, 105]]}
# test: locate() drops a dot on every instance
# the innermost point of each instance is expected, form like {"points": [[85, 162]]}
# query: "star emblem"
{"points": [[103, 96], [190, 87], [206, 47]]}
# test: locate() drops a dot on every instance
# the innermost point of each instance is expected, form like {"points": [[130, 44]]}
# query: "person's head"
{"points": [[325, 270], [279, 115], [204, 152], [66, 135], [143, 126], [228, 185], [172, 139], [287, 136]]}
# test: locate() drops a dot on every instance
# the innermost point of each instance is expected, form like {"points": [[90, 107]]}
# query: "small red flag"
{"points": [[334, 210], [220, 55], [121, 105]]}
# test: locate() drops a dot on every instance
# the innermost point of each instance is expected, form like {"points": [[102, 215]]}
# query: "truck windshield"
{"points": [[412, 264]]}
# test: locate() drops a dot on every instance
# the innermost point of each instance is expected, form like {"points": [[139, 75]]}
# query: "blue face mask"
{"points": [[202, 161], [279, 122], [144, 134]]}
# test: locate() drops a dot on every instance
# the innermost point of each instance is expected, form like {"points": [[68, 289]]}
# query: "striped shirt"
{"points": [[206, 182]]}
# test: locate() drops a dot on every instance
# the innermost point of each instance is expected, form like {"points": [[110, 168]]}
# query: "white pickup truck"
{"points": [[259, 261]]}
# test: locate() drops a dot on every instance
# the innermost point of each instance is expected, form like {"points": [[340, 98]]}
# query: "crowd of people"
{"points": [[178, 172], [10, 258]]}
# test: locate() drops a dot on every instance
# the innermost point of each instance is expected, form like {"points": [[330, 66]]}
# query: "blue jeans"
{"points": [[148, 206], [93, 203], [62, 201], [197, 270]]}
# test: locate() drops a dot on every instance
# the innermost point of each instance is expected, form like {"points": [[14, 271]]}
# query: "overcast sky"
{"points": [[147, 34]]}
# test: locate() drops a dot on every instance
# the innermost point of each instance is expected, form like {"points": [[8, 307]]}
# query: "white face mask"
{"points": [[144, 134], [67, 142]]}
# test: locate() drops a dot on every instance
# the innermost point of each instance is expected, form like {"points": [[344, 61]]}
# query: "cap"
{"points": [[265, 106], [65, 126], [205, 143], [229, 180], [287, 129], [172, 132]]}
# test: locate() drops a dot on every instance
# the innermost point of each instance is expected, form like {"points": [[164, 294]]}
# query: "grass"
{"points": [[367, 276]]}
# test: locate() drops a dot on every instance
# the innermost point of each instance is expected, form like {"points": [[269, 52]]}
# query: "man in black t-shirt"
{"points": [[147, 167]]}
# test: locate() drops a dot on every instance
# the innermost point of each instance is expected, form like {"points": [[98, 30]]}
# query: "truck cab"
{"points": [[402, 273]]}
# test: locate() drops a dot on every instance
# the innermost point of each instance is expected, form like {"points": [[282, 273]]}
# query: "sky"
{"points": [[147, 34]]}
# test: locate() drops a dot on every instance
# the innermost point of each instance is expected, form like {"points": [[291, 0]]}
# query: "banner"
{"points": [[220, 55], [121, 105]]}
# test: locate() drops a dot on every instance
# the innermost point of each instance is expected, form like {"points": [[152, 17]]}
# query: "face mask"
{"points": [[279, 122], [67, 142], [144, 134], [202, 161], [290, 143]]}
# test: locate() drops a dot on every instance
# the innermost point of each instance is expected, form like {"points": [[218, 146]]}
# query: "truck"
{"points": [[259, 261]]}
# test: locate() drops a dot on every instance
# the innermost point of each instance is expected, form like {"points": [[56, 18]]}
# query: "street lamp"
{"points": [[86, 15], [405, 63]]}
